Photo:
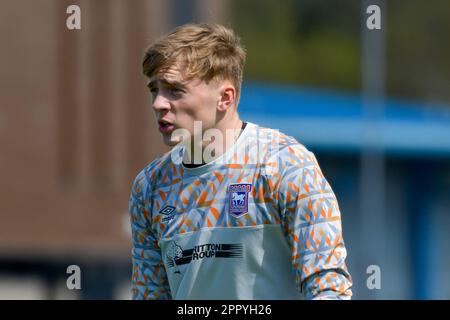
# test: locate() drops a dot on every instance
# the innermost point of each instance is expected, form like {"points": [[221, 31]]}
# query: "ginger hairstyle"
{"points": [[210, 52]]}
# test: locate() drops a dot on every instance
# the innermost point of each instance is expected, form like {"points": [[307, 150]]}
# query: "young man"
{"points": [[234, 210]]}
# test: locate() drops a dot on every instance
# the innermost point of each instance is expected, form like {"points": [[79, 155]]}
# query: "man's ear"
{"points": [[227, 97]]}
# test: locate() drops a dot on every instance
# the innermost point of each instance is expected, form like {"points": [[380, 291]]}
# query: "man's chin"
{"points": [[169, 142]]}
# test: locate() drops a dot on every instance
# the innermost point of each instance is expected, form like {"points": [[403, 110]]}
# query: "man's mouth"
{"points": [[165, 126]]}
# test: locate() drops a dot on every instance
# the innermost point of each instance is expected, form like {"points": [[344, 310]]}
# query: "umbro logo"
{"points": [[169, 212]]}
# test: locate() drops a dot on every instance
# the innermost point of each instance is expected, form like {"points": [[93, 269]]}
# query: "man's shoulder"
{"points": [[152, 170], [282, 144], [282, 153]]}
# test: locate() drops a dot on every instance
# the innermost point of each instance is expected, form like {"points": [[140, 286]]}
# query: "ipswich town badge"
{"points": [[238, 194]]}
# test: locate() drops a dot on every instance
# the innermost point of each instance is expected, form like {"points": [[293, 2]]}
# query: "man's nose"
{"points": [[160, 103]]}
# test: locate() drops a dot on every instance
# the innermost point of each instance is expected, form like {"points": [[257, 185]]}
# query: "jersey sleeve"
{"points": [[312, 225], [149, 278]]}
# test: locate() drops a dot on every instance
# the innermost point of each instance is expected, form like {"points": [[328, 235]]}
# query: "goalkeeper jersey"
{"points": [[259, 222]]}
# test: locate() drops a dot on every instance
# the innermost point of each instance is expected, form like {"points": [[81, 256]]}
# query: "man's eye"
{"points": [[176, 90]]}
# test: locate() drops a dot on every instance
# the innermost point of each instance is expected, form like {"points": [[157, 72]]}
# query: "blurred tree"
{"points": [[314, 43], [418, 49], [317, 43]]}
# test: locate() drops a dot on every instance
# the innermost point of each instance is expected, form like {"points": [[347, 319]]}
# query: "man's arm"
{"points": [[149, 279], [312, 222]]}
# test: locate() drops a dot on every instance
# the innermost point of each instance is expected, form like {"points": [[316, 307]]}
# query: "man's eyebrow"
{"points": [[174, 83]]}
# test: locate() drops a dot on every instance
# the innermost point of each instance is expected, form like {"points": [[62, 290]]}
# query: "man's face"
{"points": [[178, 102]]}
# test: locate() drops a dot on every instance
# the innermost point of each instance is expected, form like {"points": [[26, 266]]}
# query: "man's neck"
{"points": [[229, 137]]}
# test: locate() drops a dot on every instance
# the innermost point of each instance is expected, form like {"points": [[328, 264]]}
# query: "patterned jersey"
{"points": [[258, 222]]}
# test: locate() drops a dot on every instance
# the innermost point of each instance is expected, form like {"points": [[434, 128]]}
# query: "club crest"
{"points": [[238, 194]]}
